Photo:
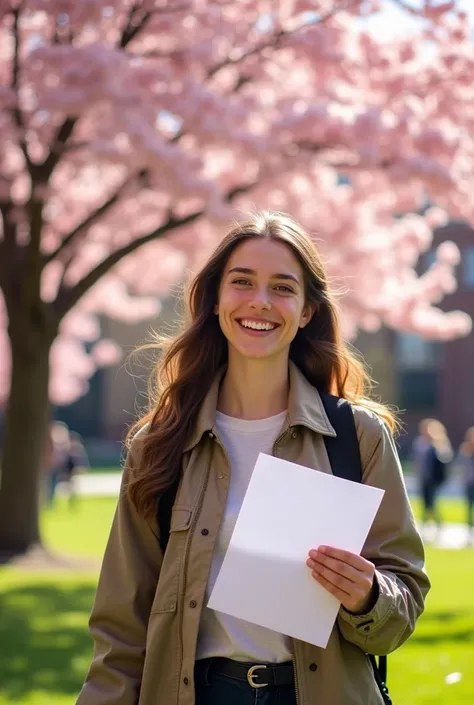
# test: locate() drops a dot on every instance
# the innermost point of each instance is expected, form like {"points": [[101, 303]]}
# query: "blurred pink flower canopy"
{"points": [[140, 129]]}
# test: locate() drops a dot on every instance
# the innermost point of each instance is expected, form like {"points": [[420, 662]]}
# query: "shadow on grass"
{"points": [[45, 643], [44, 639], [445, 616]]}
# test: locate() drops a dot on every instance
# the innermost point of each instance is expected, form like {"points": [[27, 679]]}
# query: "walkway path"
{"points": [[99, 484], [450, 536], [107, 484]]}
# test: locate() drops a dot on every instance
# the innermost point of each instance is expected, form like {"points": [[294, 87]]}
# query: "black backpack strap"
{"points": [[344, 457], [343, 451], [380, 674]]}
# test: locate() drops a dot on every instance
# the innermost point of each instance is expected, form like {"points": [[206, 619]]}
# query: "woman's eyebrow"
{"points": [[278, 275]]}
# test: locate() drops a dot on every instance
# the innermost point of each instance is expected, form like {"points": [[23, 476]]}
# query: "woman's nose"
{"points": [[261, 299]]}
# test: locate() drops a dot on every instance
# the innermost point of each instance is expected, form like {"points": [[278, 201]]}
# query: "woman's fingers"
{"points": [[326, 564], [340, 594], [352, 559], [347, 576]]}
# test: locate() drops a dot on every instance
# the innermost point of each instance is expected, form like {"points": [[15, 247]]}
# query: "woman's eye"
{"points": [[241, 282], [286, 289]]}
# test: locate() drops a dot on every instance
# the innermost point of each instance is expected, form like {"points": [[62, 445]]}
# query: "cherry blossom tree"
{"points": [[131, 130]]}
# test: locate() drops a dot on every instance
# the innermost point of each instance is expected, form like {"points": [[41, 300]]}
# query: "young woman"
{"points": [[261, 342], [432, 453], [466, 462]]}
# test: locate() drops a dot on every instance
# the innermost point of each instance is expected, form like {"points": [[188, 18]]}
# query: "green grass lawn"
{"points": [[82, 531], [45, 647], [451, 509]]}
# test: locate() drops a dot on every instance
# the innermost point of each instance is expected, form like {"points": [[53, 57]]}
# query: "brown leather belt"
{"points": [[255, 674]]}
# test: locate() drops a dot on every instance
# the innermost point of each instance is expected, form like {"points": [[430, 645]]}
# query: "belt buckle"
{"points": [[251, 675]]}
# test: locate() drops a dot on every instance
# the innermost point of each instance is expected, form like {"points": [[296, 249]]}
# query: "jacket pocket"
{"points": [[166, 595]]}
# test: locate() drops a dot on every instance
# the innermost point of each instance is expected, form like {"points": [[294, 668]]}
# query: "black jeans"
{"points": [[470, 504], [215, 689], [429, 494]]}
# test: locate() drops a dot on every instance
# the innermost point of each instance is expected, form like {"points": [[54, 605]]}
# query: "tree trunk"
{"points": [[26, 424]]}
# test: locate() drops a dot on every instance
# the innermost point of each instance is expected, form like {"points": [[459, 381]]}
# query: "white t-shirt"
{"points": [[221, 634]]}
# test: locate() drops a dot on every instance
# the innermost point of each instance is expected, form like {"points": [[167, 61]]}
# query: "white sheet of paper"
{"points": [[287, 510]]}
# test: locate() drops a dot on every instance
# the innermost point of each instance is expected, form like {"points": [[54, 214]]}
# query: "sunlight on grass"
{"points": [[451, 509], [82, 531], [45, 647], [443, 643]]}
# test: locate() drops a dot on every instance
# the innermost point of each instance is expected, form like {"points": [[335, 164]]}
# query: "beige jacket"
{"points": [[145, 619]]}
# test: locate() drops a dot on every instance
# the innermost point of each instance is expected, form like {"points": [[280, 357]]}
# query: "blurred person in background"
{"points": [[465, 462], [58, 457], [77, 463], [432, 453]]}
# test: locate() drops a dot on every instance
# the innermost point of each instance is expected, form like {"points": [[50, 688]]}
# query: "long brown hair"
{"points": [[191, 360]]}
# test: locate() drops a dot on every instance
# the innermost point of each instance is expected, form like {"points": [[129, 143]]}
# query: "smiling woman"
{"points": [[260, 307], [260, 346]]}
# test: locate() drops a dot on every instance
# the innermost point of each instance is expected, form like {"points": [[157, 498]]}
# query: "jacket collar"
{"points": [[305, 407]]}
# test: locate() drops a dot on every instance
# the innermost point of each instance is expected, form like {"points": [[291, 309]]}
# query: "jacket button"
{"points": [[205, 532], [186, 681], [193, 603], [294, 434], [211, 434], [313, 667]]}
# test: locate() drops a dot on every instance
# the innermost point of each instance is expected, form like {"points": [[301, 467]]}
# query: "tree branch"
{"points": [[341, 166], [15, 83], [63, 134], [6, 208], [138, 18], [66, 129], [16, 49], [8, 244], [69, 239], [68, 298], [407, 8], [275, 41], [34, 258], [134, 25]]}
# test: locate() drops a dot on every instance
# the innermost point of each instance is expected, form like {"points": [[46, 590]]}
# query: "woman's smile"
{"points": [[258, 327]]}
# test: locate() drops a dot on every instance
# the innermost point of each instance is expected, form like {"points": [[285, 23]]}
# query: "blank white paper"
{"points": [[287, 510]]}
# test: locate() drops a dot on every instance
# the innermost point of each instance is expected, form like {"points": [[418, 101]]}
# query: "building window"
{"points": [[468, 267], [418, 363], [416, 353], [418, 390]]}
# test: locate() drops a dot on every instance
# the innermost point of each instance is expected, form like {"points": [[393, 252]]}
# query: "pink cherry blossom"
{"points": [[144, 129]]}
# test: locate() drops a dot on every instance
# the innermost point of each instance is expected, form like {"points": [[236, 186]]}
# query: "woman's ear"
{"points": [[307, 314]]}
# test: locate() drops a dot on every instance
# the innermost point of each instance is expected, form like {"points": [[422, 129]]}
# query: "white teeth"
{"points": [[257, 326]]}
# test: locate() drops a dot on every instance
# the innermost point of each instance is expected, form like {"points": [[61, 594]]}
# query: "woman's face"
{"points": [[261, 302]]}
